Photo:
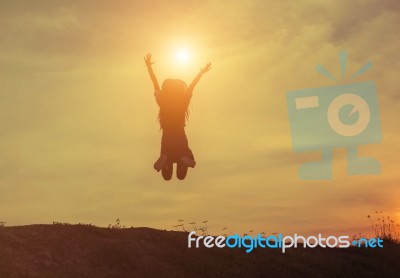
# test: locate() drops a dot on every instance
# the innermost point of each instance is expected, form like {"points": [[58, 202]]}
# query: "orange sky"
{"points": [[78, 117]]}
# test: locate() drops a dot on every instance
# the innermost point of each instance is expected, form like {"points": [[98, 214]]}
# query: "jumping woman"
{"points": [[173, 99]]}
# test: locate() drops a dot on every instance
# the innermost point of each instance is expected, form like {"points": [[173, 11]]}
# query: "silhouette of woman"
{"points": [[173, 100]]}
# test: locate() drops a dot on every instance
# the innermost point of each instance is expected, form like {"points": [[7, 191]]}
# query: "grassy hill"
{"points": [[88, 251]]}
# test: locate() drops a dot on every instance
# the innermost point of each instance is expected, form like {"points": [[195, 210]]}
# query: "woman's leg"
{"points": [[186, 161], [185, 153], [181, 170], [162, 160], [167, 170]]}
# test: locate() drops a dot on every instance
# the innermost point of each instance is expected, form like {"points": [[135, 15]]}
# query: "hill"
{"points": [[88, 251]]}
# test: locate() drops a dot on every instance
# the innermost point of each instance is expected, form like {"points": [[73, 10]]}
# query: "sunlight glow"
{"points": [[182, 56]]}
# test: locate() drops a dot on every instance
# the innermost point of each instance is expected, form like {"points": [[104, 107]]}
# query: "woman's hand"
{"points": [[206, 68], [147, 60]]}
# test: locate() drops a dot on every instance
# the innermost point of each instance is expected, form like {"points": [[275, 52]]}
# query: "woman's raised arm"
{"points": [[198, 77], [149, 63]]}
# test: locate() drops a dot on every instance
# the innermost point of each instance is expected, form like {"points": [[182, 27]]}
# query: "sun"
{"points": [[182, 56]]}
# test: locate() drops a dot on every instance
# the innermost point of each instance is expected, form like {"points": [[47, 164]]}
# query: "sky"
{"points": [[78, 120]]}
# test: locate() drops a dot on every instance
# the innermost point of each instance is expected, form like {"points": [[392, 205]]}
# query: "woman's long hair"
{"points": [[174, 104]]}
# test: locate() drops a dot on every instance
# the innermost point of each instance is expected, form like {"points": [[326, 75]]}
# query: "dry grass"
{"points": [[65, 250], [385, 227]]}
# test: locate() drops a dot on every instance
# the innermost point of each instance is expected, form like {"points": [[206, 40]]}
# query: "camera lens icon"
{"points": [[358, 106]]}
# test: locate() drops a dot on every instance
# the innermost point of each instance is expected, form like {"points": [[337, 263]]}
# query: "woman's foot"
{"points": [[188, 161], [160, 163]]}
